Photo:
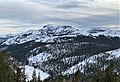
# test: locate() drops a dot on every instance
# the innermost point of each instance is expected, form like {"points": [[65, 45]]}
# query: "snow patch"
{"points": [[39, 58], [29, 71]]}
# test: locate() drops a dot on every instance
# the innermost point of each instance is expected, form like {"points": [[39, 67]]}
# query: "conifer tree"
{"points": [[76, 77], [99, 76], [39, 77], [106, 76], [34, 77], [6, 72], [110, 75]]}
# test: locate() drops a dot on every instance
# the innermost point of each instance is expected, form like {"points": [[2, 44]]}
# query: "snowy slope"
{"points": [[93, 59], [114, 53], [29, 71]]}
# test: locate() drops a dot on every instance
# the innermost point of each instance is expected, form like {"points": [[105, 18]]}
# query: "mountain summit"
{"points": [[51, 32]]}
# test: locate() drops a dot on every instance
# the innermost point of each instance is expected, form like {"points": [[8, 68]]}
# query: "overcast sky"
{"points": [[18, 15]]}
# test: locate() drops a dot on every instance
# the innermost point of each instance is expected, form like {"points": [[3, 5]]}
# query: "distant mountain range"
{"points": [[51, 32]]}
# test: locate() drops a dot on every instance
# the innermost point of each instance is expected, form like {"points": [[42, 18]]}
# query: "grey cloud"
{"points": [[93, 20], [68, 6], [28, 12], [22, 13], [100, 20]]}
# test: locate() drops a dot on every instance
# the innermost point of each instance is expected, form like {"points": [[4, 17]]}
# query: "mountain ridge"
{"points": [[50, 32]]}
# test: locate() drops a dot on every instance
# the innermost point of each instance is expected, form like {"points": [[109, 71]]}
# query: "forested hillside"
{"points": [[7, 73]]}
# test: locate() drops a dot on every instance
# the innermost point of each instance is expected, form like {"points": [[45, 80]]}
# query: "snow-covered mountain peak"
{"points": [[51, 29], [49, 33], [104, 31], [98, 29], [45, 34], [56, 28], [51, 26]]}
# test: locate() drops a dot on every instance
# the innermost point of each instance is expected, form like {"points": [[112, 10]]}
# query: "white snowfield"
{"points": [[114, 54], [49, 32], [39, 58], [92, 59], [29, 71]]}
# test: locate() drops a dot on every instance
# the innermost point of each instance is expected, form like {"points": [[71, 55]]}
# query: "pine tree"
{"points": [[21, 74], [76, 77], [18, 74], [110, 75], [99, 76], [60, 78], [39, 77], [106, 76], [6, 72], [34, 77]]}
